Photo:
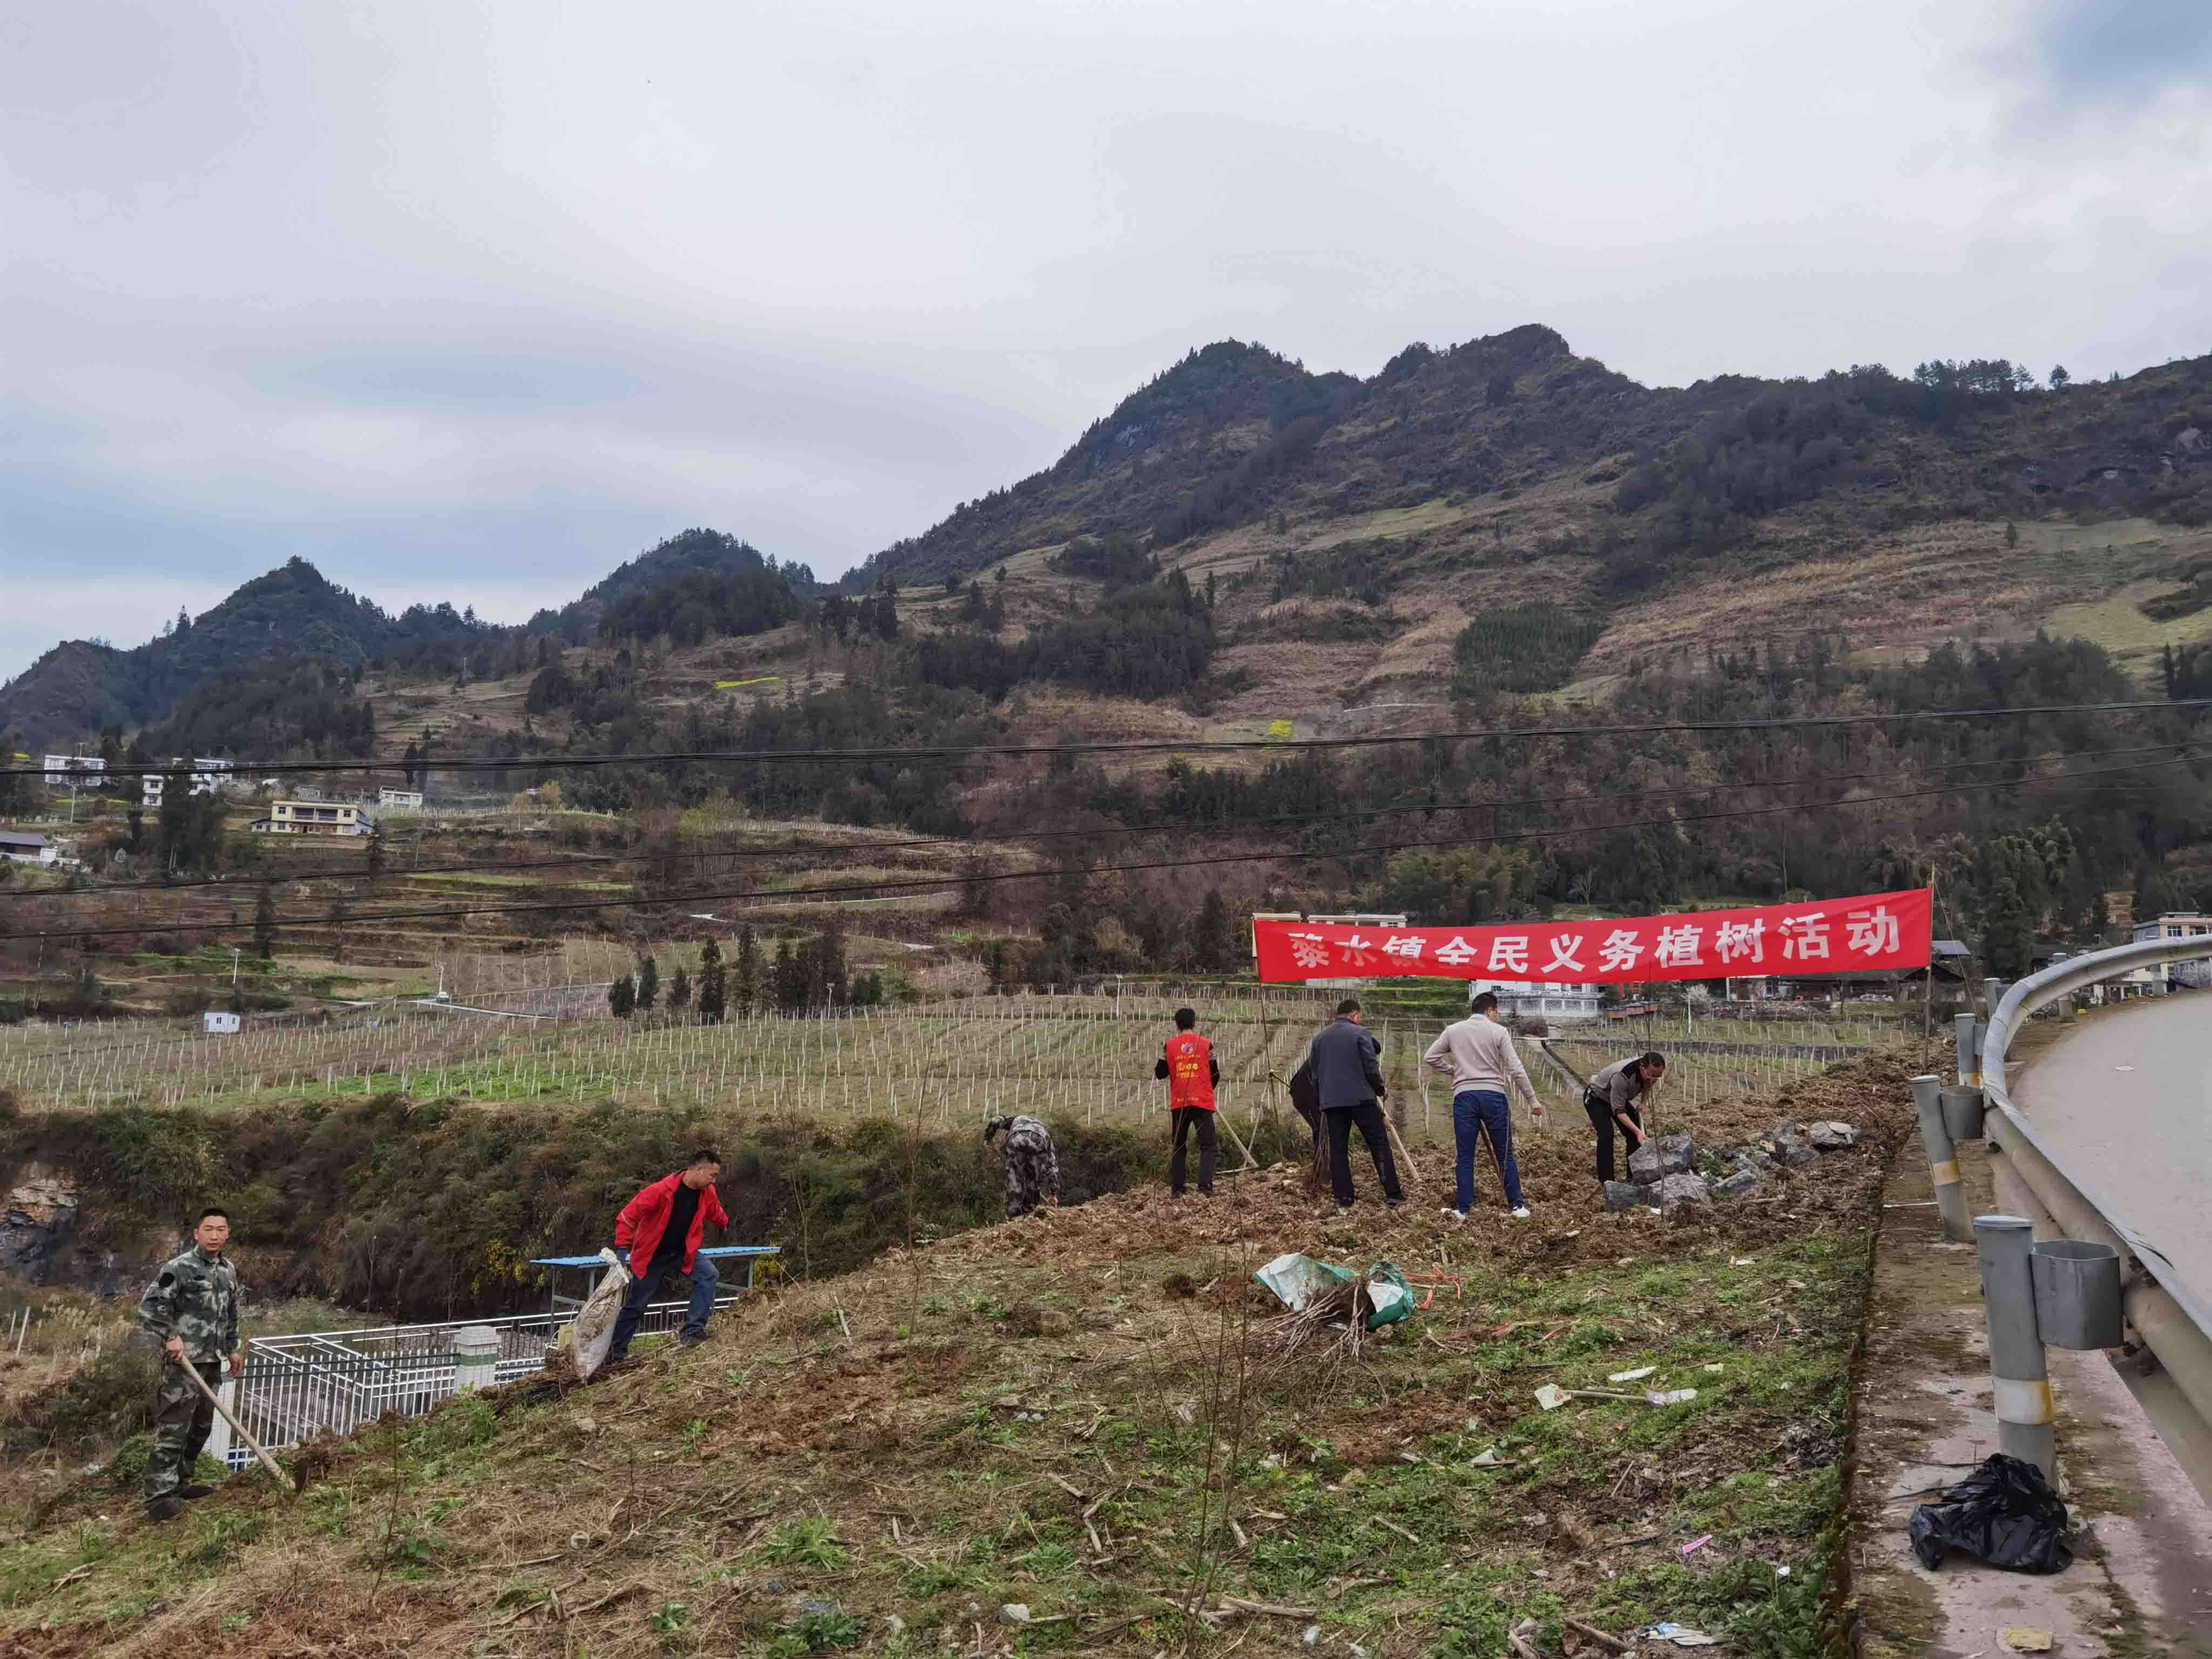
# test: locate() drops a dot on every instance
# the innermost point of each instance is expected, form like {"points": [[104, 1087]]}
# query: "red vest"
{"points": [[1190, 1071]]}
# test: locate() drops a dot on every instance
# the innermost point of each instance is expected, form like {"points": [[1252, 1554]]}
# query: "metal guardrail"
{"points": [[2169, 1322]]}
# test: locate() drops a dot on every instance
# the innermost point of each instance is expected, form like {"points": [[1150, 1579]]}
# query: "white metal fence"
{"points": [[296, 1387]]}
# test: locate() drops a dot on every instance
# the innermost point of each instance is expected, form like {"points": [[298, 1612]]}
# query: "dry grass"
{"points": [[1023, 1414]]}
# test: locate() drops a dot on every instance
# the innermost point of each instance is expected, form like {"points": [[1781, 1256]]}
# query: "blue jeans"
{"points": [[1476, 1111], [705, 1283]]}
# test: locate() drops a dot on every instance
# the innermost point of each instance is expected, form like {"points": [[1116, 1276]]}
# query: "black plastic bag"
{"points": [[2004, 1512]]}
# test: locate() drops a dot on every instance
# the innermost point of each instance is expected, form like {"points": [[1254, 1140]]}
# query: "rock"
{"points": [[1623, 1195], [1679, 1189], [808, 1604], [1832, 1136], [1677, 1152], [1790, 1144], [1014, 1612], [894, 1625], [1644, 1165], [1729, 1186]]}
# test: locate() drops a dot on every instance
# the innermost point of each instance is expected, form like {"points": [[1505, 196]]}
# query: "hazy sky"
{"points": [[472, 302]]}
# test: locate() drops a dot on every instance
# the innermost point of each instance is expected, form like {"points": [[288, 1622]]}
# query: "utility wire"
{"points": [[909, 885], [1146, 746], [1161, 827]]}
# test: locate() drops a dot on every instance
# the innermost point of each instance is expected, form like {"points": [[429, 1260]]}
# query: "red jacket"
{"points": [[645, 1217]]}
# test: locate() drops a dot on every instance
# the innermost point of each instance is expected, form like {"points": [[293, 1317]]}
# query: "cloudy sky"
{"points": [[472, 302]]}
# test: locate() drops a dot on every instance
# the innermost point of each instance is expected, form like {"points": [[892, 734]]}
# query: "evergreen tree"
{"points": [[679, 991], [648, 984], [622, 996], [374, 864], [1212, 944], [2060, 379], [745, 986], [134, 837], [713, 983], [787, 979], [264, 923], [2012, 533]]}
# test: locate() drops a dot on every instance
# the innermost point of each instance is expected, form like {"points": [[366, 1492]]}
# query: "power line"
{"points": [[1161, 827], [921, 884], [1146, 746]]}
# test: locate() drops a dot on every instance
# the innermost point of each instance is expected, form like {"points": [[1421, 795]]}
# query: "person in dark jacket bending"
{"points": [[1348, 1074]]}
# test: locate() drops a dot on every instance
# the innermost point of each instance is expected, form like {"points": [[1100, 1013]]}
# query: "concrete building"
{"points": [[218, 1022], [315, 818], [2180, 924], [1554, 1001], [205, 776], [400, 800], [62, 770], [22, 847]]}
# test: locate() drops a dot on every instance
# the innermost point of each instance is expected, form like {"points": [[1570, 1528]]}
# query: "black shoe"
{"points": [[167, 1507], [1175, 1192], [198, 1489], [692, 1339]]}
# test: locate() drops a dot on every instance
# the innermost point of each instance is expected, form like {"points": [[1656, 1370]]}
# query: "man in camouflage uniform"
{"points": [[192, 1307], [1032, 1167]]}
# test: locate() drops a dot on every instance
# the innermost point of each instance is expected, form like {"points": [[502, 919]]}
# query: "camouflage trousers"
{"points": [[1024, 1185], [183, 1418]]}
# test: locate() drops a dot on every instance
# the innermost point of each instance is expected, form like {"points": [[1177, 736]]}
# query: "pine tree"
{"points": [[622, 996], [648, 984], [787, 979], [264, 924], [679, 991], [746, 981], [713, 984], [2012, 533], [1211, 947], [375, 863]]}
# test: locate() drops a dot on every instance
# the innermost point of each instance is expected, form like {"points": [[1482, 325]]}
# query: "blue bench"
{"points": [[591, 1267]]}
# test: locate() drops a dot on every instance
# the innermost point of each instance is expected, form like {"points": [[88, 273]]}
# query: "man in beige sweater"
{"points": [[1478, 1052]]}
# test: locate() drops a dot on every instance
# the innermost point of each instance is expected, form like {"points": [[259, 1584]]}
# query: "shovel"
{"points": [[242, 1431]]}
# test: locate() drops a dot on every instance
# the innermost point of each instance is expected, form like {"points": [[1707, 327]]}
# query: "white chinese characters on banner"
{"points": [[1678, 947], [1804, 939], [1740, 939], [1876, 932]]}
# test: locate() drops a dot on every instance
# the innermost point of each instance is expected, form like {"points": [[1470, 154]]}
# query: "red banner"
{"points": [[1877, 931]]}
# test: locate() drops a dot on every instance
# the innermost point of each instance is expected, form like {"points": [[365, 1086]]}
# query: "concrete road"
{"points": [[2125, 1101]]}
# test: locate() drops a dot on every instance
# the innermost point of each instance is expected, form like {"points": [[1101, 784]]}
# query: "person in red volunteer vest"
{"points": [[1191, 1071], [660, 1230]]}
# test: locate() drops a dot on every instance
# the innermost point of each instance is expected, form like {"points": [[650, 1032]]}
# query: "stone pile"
{"points": [[1665, 1173]]}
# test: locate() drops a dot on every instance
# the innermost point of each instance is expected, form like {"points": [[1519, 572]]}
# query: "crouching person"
{"points": [[661, 1228], [1032, 1165], [192, 1307]]}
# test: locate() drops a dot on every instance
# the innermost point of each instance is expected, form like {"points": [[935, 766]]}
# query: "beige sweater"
{"points": [[1479, 1054]]}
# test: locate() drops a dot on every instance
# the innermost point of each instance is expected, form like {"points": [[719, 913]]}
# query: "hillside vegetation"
{"points": [[1080, 1433]]}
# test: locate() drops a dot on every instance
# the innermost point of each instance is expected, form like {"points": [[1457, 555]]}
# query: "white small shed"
{"points": [[220, 1024]]}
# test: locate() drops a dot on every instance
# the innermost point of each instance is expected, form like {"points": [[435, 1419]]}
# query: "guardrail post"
{"points": [[1942, 1159], [2018, 1377], [1966, 1030]]}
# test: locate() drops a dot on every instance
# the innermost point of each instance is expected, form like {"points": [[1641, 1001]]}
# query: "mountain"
{"points": [[693, 553], [1235, 435], [296, 615], [293, 613]]}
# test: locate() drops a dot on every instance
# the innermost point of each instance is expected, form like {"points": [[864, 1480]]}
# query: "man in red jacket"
{"points": [[1191, 1071], [660, 1229]]}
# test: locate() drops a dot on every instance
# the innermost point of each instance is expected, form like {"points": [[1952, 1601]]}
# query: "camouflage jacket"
{"points": [[195, 1296]]}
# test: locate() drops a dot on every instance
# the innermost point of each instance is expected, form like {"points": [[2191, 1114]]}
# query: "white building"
{"points": [[207, 777], [64, 770], [1545, 999], [22, 847], [219, 1024], [400, 800], [2180, 924], [315, 818]]}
